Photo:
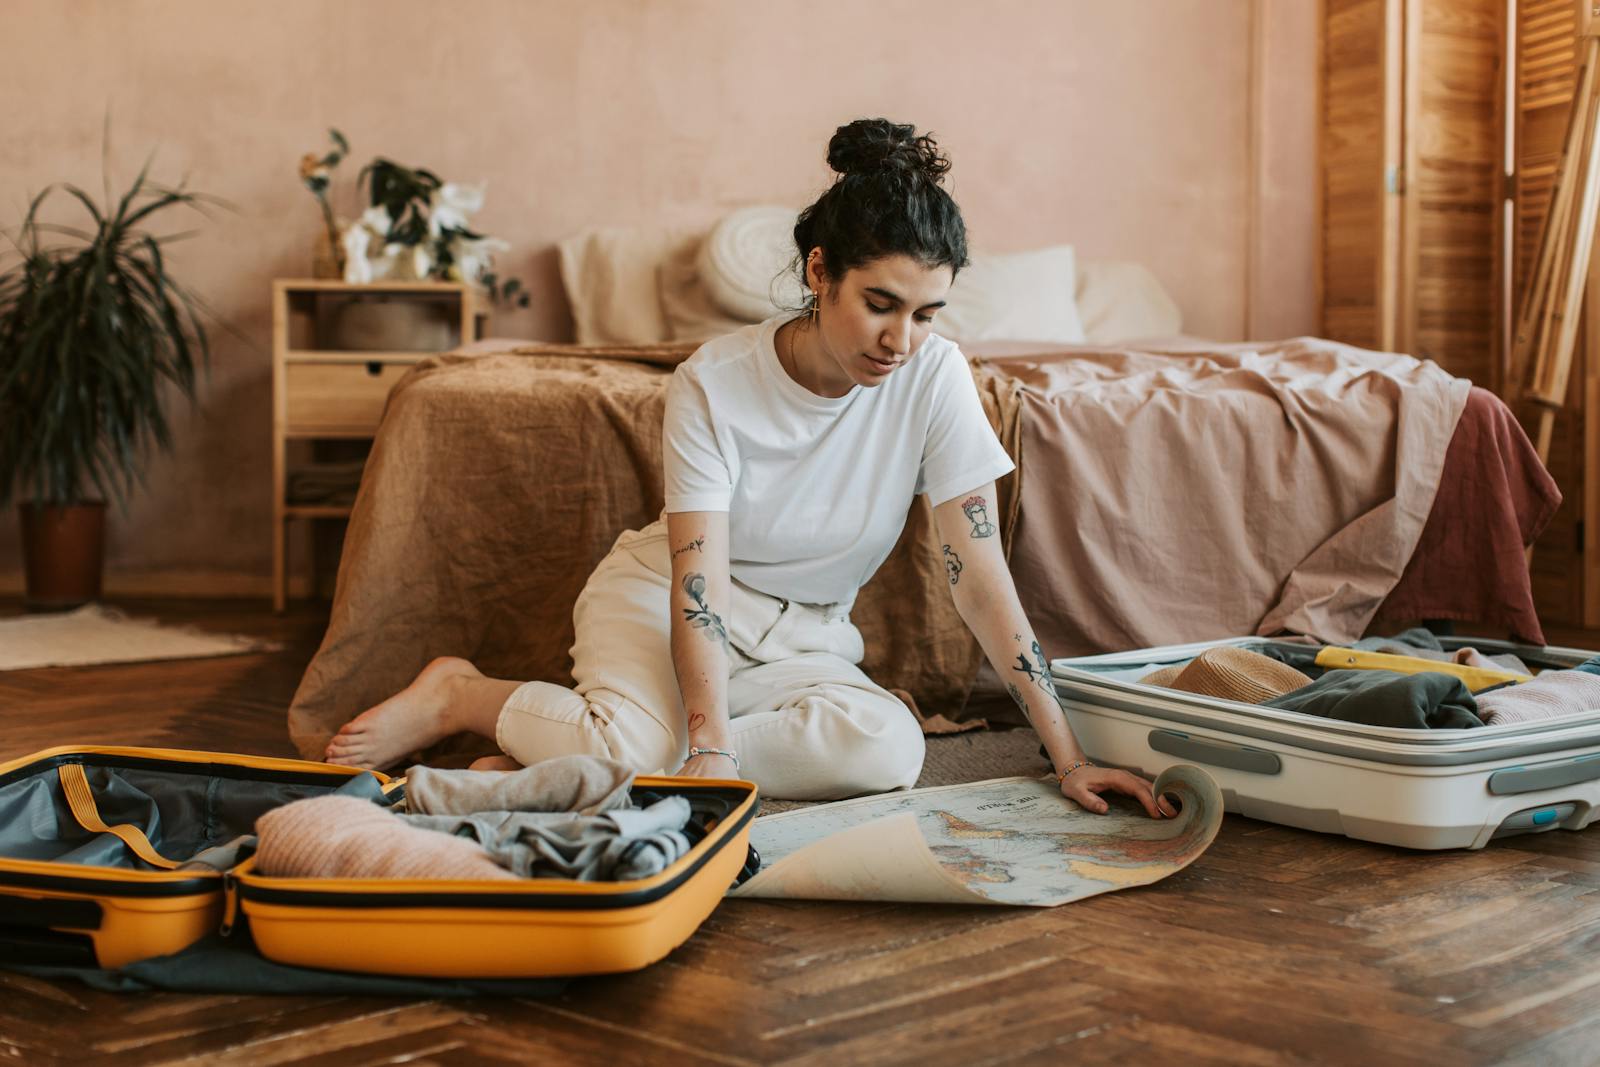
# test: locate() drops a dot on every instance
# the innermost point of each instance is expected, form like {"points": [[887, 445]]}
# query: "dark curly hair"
{"points": [[886, 201]]}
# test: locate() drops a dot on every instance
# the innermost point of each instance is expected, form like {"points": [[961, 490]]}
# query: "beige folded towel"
{"points": [[347, 837]]}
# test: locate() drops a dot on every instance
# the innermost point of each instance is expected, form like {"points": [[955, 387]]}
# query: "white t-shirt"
{"points": [[816, 489]]}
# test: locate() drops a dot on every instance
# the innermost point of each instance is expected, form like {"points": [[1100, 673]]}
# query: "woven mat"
{"points": [[969, 757], [94, 634]]}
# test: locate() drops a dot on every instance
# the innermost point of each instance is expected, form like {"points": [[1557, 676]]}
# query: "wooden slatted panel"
{"points": [[1352, 169], [1546, 78], [1453, 151]]}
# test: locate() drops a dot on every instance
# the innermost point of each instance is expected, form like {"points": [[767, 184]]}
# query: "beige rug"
{"points": [[95, 634]]}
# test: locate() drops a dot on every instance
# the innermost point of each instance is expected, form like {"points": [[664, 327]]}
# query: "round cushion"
{"points": [[744, 263]]}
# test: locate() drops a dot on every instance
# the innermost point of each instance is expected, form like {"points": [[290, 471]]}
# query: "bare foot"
{"points": [[413, 718], [495, 763]]}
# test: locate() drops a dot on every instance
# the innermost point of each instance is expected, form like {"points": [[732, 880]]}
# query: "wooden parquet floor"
{"points": [[1276, 947]]}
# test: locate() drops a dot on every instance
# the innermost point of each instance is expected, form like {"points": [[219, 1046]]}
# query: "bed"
{"points": [[1167, 491]]}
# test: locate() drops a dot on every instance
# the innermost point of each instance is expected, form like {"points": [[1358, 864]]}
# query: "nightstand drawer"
{"points": [[337, 396]]}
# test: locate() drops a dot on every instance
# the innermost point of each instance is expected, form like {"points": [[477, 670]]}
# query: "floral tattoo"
{"points": [[701, 617], [952, 565], [977, 510]]}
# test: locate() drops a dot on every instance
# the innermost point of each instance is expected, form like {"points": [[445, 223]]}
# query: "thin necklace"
{"points": [[794, 365]]}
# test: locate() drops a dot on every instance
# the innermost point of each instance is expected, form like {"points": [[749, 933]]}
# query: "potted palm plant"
{"points": [[94, 335]]}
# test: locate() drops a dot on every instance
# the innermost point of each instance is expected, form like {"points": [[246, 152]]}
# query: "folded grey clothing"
{"points": [[1551, 694], [1405, 643], [1386, 698], [587, 785], [223, 857], [619, 845]]}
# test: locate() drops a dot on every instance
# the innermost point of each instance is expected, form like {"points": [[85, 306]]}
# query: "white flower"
{"points": [[421, 262], [376, 218], [474, 256], [451, 204], [354, 241]]}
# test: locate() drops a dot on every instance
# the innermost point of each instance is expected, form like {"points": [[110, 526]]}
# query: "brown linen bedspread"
{"points": [[1173, 496]]}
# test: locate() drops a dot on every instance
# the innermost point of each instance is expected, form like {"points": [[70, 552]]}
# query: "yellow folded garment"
{"points": [[1475, 678]]}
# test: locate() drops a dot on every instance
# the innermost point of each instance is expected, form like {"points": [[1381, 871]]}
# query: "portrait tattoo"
{"points": [[977, 509], [952, 565], [701, 617], [692, 546]]}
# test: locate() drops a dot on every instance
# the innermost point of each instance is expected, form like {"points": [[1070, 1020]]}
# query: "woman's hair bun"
{"points": [[871, 146]]}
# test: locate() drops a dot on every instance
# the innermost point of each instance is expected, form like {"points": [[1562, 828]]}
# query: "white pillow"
{"points": [[610, 278], [1121, 301], [1023, 296], [744, 263], [690, 312]]}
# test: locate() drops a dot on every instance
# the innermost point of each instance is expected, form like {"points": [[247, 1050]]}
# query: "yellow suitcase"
{"points": [[90, 840]]}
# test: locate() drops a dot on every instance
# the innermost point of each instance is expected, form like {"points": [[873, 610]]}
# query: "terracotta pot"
{"points": [[63, 554]]}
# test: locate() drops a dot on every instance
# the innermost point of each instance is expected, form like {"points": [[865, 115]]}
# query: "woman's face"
{"points": [[877, 316]]}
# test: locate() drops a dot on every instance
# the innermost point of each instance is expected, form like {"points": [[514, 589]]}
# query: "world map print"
{"points": [[1013, 841]]}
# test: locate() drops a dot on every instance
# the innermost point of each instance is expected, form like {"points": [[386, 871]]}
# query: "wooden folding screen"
{"points": [[1410, 151], [1415, 246]]}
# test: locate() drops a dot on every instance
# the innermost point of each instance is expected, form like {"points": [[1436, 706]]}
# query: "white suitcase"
{"points": [[1415, 788]]}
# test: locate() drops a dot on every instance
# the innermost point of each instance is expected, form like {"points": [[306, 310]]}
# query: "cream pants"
{"points": [[807, 723]]}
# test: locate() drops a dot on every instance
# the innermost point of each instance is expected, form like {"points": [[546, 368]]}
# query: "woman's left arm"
{"points": [[986, 597]]}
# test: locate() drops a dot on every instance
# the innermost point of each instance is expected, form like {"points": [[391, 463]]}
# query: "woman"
{"points": [[793, 451]]}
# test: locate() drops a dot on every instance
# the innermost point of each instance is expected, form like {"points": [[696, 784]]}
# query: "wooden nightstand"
{"points": [[322, 393]]}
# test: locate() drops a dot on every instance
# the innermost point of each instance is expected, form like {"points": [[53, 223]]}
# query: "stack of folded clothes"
{"points": [[564, 818], [1406, 681]]}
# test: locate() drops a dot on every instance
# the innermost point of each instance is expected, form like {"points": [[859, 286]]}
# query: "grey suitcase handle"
{"points": [[1217, 753], [1545, 775]]}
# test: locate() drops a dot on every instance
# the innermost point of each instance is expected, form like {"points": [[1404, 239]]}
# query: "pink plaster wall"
{"points": [[1122, 128]]}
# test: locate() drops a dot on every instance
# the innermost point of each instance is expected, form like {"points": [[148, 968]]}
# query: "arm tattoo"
{"points": [[1016, 695], [1038, 673], [696, 721], [692, 546], [701, 617], [952, 565], [977, 509]]}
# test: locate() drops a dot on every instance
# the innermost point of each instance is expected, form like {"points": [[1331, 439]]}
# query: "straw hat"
{"points": [[1230, 673]]}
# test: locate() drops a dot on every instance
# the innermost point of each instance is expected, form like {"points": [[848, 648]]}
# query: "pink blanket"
{"points": [[1197, 492]]}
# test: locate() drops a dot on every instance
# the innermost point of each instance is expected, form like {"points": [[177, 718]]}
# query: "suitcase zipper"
{"points": [[230, 902]]}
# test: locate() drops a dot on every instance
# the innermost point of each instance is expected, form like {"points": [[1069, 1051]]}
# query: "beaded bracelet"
{"points": [[730, 753], [1075, 765]]}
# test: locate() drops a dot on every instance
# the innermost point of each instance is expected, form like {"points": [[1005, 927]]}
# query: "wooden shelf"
{"points": [[314, 398], [334, 285]]}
